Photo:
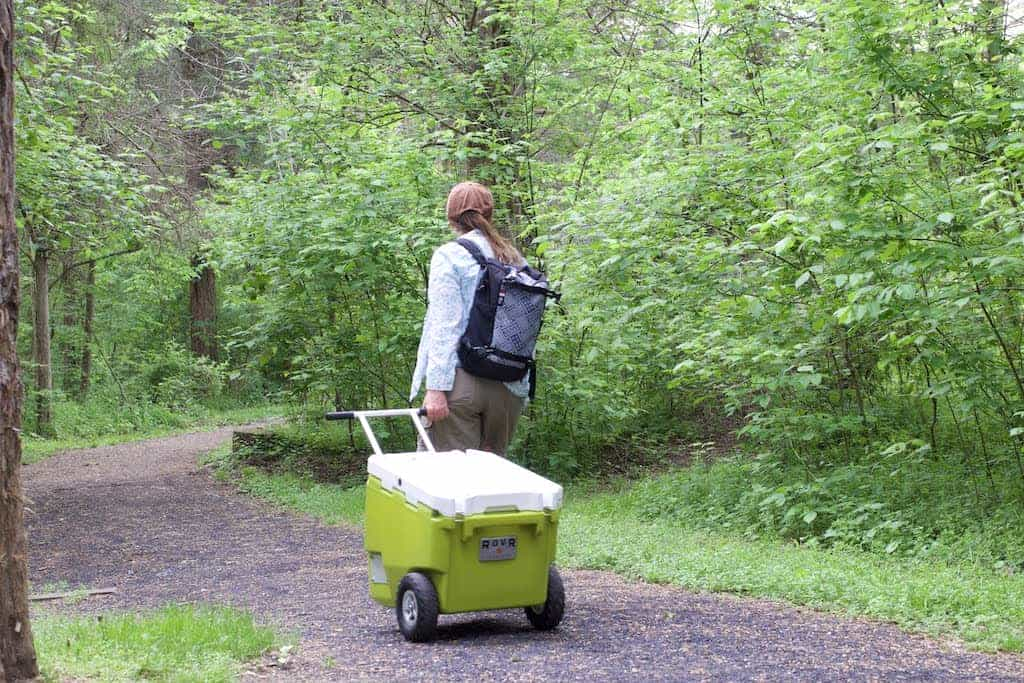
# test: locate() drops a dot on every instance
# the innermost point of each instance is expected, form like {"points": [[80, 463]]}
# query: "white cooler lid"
{"points": [[464, 482]]}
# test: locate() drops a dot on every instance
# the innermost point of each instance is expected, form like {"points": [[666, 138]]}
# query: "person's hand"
{"points": [[436, 404]]}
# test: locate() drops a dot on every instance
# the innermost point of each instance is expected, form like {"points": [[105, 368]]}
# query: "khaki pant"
{"points": [[483, 415]]}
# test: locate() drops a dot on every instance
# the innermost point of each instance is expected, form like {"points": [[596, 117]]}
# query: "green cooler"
{"points": [[458, 531]]}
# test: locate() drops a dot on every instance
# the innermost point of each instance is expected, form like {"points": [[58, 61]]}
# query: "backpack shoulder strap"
{"points": [[474, 251]]}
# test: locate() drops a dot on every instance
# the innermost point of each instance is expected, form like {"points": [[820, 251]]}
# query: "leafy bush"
{"points": [[182, 381]]}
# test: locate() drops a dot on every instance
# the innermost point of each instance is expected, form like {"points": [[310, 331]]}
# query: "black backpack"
{"points": [[507, 313]]}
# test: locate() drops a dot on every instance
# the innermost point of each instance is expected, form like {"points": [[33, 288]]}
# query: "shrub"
{"points": [[181, 381]]}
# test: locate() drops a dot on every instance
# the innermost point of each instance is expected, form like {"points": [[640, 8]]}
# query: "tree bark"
{"points": [[41, 334], [203, 67], [17, 652], [69, 352], [203, 306], [991, 20], [90, 315]]}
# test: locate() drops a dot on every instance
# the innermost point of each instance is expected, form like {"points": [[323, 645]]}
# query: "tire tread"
{"points": [[553, 610], [427, 607]]}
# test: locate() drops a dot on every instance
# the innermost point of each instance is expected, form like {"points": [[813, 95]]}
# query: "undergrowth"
{"points": [[308, 449], [909, 508]]}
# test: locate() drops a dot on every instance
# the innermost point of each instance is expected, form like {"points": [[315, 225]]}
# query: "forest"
{"points": [[788, 237]]}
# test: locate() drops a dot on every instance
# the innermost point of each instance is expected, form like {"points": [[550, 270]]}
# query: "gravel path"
{"points": [[143, 519]]}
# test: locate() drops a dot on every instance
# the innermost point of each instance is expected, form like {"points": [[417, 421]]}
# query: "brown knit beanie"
{"points": [[469, 196]]}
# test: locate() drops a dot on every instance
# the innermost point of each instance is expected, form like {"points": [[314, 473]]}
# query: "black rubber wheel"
{"points": [[416, 608], [549, 615]]}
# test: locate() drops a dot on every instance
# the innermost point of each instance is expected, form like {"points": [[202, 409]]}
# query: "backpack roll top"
{"points": [[505, 320]]}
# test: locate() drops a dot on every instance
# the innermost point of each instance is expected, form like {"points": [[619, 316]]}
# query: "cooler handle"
{"points": [[471, 524], [363, 415]]}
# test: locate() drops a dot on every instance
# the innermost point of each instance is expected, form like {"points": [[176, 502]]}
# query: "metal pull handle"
{"points": [[363, 415], [353, 414]]}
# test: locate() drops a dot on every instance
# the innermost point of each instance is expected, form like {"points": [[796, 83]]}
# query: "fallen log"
{"points": [[72, 594]]}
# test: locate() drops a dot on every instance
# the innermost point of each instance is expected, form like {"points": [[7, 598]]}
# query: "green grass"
{"points": [[613, 530], [983, 607], [331, 503], [176, 643], [35, 448]]}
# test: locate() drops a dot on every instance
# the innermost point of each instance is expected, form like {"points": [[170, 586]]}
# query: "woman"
{"points": [[464, 411]]}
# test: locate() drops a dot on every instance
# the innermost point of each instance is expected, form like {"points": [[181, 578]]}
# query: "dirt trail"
{"points": [[142, 518]]}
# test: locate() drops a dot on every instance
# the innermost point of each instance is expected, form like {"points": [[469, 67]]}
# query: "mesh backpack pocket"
{"points": [[518, 318], [505, 320]]}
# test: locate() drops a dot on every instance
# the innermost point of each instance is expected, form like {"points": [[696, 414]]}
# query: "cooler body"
{"points": [[465, 523]]}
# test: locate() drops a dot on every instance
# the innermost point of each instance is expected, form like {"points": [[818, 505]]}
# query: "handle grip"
{"points": [[353, 414]]}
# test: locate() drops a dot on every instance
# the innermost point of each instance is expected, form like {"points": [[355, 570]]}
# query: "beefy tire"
{"points": [[416, 608], [549, 615]]}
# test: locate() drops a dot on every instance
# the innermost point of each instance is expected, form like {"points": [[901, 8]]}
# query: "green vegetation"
{"points": [[90, 425], [309, 448], [176, 643], [883, 539], [332, 503], [904, 507], [615, 531], [796, 222]]}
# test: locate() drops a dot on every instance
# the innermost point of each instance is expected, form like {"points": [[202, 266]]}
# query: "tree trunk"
{"points": [[69, 355], [17, 652], [991, 21], [203, 66], [203, 306], [41, 333], [90, 314]]}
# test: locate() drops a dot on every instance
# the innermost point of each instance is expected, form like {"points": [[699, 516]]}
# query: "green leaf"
{"points": [[783, 245]]}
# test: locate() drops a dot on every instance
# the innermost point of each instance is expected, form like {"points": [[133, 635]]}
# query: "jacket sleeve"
{"points": [[443, 325]]}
